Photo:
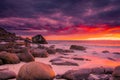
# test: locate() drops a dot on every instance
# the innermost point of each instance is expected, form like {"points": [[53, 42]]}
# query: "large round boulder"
{"points": [[35, 71], [39, 39], [9, 58]]}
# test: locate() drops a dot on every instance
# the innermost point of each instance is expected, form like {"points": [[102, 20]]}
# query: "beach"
{"points": [[94, 55]]}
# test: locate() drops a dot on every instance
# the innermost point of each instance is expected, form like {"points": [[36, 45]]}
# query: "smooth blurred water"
{"points": [[98, 43]]}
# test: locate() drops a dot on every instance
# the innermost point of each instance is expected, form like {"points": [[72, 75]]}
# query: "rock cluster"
{"points": [[99, 73], [7, 36]]}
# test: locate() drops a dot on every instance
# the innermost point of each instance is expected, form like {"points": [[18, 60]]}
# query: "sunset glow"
{"points": [[63, 20], [87, 33]]}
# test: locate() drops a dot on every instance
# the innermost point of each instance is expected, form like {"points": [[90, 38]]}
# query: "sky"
{"points": [[62, 19]]}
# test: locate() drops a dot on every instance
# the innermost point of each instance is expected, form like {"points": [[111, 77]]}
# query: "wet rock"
{"points": [[9, 58], [81, 59], [52, 46], [102, 70], [81, 74], [39, 53], [39, 39], [99, 77], [26, 56], [116, 53], [88, 74], [42, 47], [68, 51], [63, 62], [59, 50], [98, 70], [62, 51], [108, 70], [105, 51], [51, 51], [55, 59], [64, 57], [35, 71], [111, 58], [6, 74], [78, 59], [76, 47], [93, 77], [116, 73]]}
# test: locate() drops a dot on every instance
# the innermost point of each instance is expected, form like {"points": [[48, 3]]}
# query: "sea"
{"points": [[109, 44]]}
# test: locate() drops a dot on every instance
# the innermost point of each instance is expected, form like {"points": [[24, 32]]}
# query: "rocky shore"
{"points": [[13, 53], [18, 54]]}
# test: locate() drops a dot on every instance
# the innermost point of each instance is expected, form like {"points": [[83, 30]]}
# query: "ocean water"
{"points": [[112, 44], [100, 43], [94, 51]]}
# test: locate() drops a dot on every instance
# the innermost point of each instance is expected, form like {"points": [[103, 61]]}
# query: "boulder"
{"points": [[26, 56], [98, 70], [52, 46], [116, 73], [118, 53], [39, 53], [76, 47], [111, 59], [6, 74], [81, 59], [51, 51], [98, 73], [39, 39], [55, 59], [59, 50], [42, 46], [81, 74], [108, 70], [63, 51], [68, 51], [105, 51], [35, 71], [9, 58]]}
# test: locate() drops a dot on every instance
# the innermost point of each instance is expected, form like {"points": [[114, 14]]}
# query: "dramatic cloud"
{"points": [[60, 17]]}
